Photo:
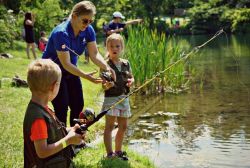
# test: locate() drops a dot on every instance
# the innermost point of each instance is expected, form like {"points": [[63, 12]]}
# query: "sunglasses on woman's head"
{"points": [[87, 21]]}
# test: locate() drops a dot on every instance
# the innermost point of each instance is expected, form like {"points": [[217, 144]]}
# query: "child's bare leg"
{"points": [[109, 125], [122, 127]]}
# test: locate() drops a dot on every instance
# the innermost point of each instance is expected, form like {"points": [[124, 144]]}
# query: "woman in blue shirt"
{"points": [[66, 42]]}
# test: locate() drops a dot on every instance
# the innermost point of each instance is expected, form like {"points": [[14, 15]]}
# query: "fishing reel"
{"points": [[85, 116], [107, 76], [126, 74]]}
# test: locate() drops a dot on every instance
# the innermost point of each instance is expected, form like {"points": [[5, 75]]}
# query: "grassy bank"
{"points": [[13, 102]]}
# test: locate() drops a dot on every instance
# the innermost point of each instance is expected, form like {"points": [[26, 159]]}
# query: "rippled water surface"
{"points": [[201, 128]]}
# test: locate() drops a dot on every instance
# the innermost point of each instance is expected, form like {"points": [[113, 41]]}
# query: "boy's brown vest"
{"points": [[56, 131], [121, 79]]}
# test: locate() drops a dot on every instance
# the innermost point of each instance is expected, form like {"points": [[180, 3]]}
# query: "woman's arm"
{"points": [[96, 57], [64, 58], [29, 22]]}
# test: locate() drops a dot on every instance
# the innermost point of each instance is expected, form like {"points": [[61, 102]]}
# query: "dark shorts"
{"points": [[29, 38]]}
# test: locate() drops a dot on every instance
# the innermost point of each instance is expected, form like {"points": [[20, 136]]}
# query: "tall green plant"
{"points": [[150, 53]]}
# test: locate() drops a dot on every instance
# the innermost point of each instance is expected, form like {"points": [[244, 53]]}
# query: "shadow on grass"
{"points": [[114, 163], [105, 163]]}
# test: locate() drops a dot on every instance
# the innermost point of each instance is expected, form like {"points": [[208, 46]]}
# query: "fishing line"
{"points": [[84, 127], [65, 46]]}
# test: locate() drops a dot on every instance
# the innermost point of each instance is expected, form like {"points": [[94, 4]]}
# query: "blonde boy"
{"points": [[46, 140]]}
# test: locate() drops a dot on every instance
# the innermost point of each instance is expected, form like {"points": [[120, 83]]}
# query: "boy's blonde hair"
{"points": [[42, 73], [83, 8], [115, 36]]}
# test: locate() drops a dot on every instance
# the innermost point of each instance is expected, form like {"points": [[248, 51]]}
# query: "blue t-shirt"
{"points": [[63, 35], [114, 26]]}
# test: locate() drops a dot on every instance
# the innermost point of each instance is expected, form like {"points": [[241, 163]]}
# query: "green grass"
{"points": [[94, 158], [13, 103]]}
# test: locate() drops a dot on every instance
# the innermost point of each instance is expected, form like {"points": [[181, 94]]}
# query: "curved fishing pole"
{"points": [[84, 127], [65, 46]]}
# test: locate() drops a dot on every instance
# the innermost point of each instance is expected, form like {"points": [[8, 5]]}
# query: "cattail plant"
{"points": [[149, 53]]}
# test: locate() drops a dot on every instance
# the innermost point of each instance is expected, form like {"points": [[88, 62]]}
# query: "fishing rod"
{"points": [[73, 51], [65, 46], [84, 127]]}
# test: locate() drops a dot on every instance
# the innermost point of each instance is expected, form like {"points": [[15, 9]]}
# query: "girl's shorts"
{"points": [[119, 113]]}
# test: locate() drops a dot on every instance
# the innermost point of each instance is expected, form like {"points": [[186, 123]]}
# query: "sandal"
{"points": [[122, 155], [111, 155]]}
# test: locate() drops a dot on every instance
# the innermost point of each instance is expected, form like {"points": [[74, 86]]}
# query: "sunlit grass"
{"points": [[94, 158], [13, 103]]}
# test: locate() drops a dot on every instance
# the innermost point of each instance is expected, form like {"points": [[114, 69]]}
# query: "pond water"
{"points": [[208, 127]]}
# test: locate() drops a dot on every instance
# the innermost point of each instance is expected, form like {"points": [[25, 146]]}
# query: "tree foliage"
{"points": [[240, 19], [13, 5], [206, 16], [7, 28], [48, 13]]}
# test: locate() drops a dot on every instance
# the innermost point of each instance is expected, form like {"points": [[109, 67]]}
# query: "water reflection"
{"points": [[212, 128]]}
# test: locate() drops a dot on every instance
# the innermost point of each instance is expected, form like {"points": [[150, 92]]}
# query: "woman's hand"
{"points": [[93, 79]]}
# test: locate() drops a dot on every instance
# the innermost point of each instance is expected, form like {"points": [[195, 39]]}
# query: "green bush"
{"points": [[205, 18], [211, 16], [49, 14], [7, 28]]}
